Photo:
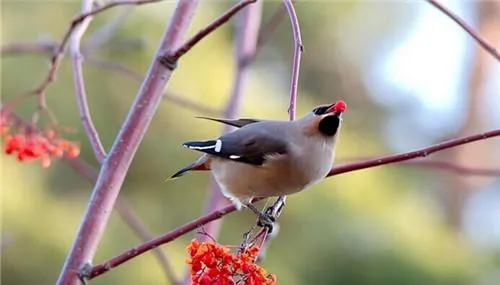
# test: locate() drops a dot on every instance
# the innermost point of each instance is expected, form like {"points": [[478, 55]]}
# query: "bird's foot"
{"points": [[265, 219]]}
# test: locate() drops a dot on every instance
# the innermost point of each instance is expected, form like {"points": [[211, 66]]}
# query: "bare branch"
{"points": [[479, 39], [188, 45], [81, 95], [439, 165], [278, 206], [172, 235], [411, 155], [297, 54], [116, 165], [110, 5], [168, 237]]}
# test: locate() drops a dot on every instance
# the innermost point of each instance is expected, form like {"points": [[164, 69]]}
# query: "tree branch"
{"points": [[115, 167], [278, 206], [297, 54], [440, 165], [187, 46], [480, 40], [172, 235], [168, 237], [410, 155], [81, 95]]}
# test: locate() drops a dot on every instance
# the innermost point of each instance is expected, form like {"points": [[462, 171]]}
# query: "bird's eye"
{"points": [[320, 110]]}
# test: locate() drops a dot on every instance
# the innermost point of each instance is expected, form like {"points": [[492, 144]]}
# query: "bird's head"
{"points": [[329, 117]]}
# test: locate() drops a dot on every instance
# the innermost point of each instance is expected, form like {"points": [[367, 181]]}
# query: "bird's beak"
{"points": [[333, 110]]}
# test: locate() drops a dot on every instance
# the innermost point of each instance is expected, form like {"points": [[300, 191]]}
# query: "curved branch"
{"points": [[81, 94], [480, 40], [410, 155]]}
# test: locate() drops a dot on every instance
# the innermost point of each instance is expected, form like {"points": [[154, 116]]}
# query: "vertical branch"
{"points": [[115, 166], [297, 54], [277, 207], [81, 95], [246, 43]]}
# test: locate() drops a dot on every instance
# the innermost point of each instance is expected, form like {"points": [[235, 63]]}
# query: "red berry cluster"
{"points": [[214, 264], [29, 145]]}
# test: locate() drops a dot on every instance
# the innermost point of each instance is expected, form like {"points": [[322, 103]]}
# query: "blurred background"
{"points": [[410, 76]]}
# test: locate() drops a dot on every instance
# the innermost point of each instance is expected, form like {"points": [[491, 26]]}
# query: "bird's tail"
{"points": [[201, 164]]}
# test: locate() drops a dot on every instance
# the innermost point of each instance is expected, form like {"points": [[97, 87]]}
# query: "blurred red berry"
{"points": [[28, 145]]}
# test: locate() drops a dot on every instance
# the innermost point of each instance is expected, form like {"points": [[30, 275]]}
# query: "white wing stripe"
{"points": [[218, 146]]}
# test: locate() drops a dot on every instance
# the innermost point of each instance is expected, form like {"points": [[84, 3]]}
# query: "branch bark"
{"points": [[115, 166], [81, 95]]}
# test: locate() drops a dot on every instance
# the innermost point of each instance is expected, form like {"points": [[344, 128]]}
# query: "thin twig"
{"points": [[168, 237], [172, 235], [479, 39], [110, 5], [439, 165], [60, 50], [188, 45], [410, 155], [81, 95], [297, 54]]}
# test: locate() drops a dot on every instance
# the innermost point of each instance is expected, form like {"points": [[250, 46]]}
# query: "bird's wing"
{"points": [[235, 123], [251, 147]]}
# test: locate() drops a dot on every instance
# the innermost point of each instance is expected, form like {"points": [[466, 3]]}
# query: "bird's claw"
{"points": [[266, 220]]}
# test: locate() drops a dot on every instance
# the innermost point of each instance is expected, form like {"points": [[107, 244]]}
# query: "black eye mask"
{"points": [[329, 125]]}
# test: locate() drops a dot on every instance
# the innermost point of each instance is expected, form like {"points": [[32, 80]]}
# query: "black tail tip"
{"points": [[179, 173]]}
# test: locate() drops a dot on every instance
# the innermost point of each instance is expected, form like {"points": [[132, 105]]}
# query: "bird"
{"points": [[268, 158]]}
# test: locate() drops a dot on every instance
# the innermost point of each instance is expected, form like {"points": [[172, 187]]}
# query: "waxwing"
{"points": [[264, 158]]}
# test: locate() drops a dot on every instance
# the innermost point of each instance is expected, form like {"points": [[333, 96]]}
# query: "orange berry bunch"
{"points": [[29, 145], [214, 264]]}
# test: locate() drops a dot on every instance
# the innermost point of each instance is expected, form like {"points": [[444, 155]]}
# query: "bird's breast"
{"points": [[279, 175]]}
